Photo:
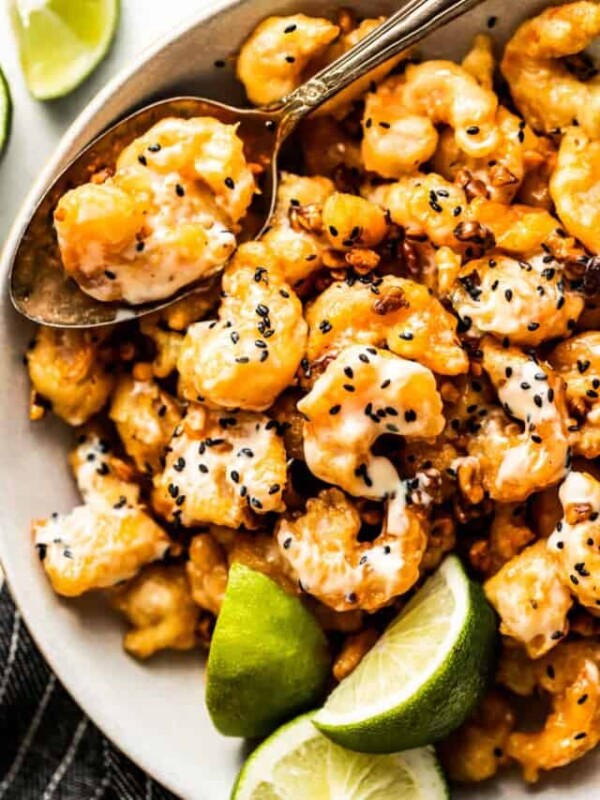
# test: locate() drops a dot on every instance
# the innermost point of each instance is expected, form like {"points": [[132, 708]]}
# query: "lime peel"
{"points": [[5, 111], [298, 762], [424, 675], [268, 660], [61, 42]]}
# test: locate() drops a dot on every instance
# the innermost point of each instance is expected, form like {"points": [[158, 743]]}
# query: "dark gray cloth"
{"points": [[49, 749]]}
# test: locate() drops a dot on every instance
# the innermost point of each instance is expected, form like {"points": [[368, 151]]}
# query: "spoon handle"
{"points": [[408, 25]]}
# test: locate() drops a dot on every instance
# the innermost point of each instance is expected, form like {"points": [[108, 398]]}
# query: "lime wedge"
{"points": [[5, 111], [62, 41], [297, 763], [268, 657], [423, 676]]}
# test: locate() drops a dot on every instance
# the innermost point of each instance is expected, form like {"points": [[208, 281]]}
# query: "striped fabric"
{"points": [[49, 749]]}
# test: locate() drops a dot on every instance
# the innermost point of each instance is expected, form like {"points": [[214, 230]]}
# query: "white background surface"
{"points": [[37, 127]]}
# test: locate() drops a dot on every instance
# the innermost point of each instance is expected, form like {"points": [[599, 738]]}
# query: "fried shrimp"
{"points": [[102, 478], [328, 149], [542, 86], [354, 649], [364, 393], [322, 547], [108, 539], [424, 205], [501, 172], [164, 219], [159, 606], [574, 185], [479, 61], [295, 237], [577, 361], [250, 355], [576, 538], [527, 300], [401, 114], [273, 59], [522, 457], [66, 371], [391, 310], [221, 468], [145, 416], [531, 599], [477, 750], [351, 221], [207, 571], [569, 674], [509, 535]]}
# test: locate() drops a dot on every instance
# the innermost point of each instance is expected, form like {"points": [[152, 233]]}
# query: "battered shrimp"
{"points": [[401, 114], [389, 310], [322, 547], [145, 416], [327, 148], [424, 205], [569, 674], [531, 599], [66, 371], [351, 221], [97, 545], [250, 355], [477, 750], [517, 459], [159, 606], [509, 535], [546, 93], [576, 539], [501, 172], [273, 59], [429, 205], [221, 468], [166, 218], [575, 183], [527, 300], [361, 395], [296, 238], [577, 361], [102, 478], [207, 571], [167, 345], [354, 649], [479, 61]]}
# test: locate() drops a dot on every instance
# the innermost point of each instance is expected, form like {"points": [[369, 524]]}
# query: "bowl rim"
{"points": [[77, 686]]}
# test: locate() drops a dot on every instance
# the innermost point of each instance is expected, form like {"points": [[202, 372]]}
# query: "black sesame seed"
{"points": [[335, 410], [473, 130], [287, 543], [274, 488], [333, 231], [179, 465], [550, 672], [179, 190], [290, 28], [110, 274], [229, 183], [143, 161], [325, 326], [410, 415], [290, 59], [580, 735], [235, 476]]}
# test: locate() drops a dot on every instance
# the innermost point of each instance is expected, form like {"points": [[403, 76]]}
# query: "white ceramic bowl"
{"points": [[155, 712]]}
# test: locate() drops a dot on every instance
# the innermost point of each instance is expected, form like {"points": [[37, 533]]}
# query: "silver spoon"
{"points": [[40, 288]]}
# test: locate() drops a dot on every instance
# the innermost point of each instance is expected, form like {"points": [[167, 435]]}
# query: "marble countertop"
{"points": [[37, 127]]}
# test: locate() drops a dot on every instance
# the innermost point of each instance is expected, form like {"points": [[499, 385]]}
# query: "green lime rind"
{"points": [[5, 111], [62, 43], [297, 762], [440, 694], [268, 660]]}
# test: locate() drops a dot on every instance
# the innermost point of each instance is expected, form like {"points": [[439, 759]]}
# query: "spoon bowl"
{"points": [[41, 290]]}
